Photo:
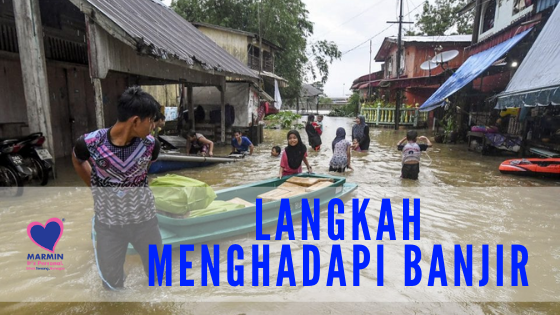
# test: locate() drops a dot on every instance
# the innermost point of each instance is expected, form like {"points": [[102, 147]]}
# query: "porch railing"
{"points": [[385, 116]]}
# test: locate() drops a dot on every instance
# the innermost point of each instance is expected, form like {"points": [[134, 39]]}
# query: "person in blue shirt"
{"points": [[241, 144]]}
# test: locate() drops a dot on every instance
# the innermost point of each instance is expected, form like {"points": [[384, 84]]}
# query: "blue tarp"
{"points": [[470, 70]]}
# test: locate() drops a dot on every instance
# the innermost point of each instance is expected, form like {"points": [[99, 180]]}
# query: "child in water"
{"points": [[319, 125], [293, 155], [411, 152], [276, 150], [356, 145]]}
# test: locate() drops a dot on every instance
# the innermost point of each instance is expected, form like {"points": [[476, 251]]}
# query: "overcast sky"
{"points": [[349, 23]]}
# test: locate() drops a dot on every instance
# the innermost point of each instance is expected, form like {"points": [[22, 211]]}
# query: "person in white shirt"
{"points": [[411, 152]]}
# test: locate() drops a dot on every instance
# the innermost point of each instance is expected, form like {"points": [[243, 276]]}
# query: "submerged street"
{"points": [[464, 200]]}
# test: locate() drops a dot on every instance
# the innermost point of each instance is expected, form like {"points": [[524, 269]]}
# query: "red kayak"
{"points": [[532, 167]]}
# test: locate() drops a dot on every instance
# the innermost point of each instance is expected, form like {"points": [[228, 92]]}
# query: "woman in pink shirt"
{"points": [[293, 155]]}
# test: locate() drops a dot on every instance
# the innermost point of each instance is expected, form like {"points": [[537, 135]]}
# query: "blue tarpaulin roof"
{"points": [[472, 68]]}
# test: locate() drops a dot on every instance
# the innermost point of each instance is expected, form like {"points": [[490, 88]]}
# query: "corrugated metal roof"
{"points": [[545, 4], [165, 34], [433, 39], [539, 71], [308, 90], [366, 77]]}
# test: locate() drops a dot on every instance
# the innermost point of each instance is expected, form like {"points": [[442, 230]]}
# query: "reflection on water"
{"points": [[465, 200]]}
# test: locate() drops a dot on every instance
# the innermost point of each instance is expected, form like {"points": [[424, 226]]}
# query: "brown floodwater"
{"points": [[464, 200]]}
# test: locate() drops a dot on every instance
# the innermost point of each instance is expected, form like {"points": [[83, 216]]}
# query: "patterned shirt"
{"points": [[340, 154], [119, 177], [411, 151]]}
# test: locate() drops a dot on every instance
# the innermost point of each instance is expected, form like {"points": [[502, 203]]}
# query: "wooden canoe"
{"points": [[174, 162]]}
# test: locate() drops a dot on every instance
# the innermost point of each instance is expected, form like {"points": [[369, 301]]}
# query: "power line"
{"points": [[344, 53], [349, 20]]}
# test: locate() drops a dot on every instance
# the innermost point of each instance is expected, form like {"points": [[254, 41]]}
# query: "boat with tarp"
{"points": [[232, 211]]}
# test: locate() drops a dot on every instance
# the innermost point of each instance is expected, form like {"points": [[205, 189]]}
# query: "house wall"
{"points": [[504, 15], [235, 44], [243, 99], [12, 99], [168, 95], [493, 83], [417, 53], [71, 99]]}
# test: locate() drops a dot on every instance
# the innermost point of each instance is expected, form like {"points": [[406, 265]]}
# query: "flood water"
{"points": [[464, 200]]}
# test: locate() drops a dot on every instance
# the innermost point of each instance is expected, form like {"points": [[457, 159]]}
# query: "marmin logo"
{"points": [[46, 236]]}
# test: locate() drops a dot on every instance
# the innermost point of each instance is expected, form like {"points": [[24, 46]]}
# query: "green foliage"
{"points": [[284, 120], [350, 109], [449, 123], [284, 23], [440, 16], [319, 85], [324, 100]]}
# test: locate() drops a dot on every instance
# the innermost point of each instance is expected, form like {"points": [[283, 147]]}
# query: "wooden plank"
{"points": [[99, 109], [287, 185], [190, 106], [276, 194], [223, 112], [307, 181], [318, 186]]}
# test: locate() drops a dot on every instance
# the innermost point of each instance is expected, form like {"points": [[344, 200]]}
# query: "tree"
{"points": [[284, 23], [441, 16]]}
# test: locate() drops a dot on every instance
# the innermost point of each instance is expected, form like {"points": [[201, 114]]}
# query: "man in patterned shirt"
{"points": [[114, 163]]}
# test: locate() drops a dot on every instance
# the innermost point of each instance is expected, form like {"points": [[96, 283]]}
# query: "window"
{"points": [[489, 16], [520, 5], [389, 68], [401, 71]]}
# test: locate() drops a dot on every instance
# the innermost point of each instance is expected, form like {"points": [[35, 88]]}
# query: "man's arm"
{"points": [[427, 140], [155, 152], [83, 169], [309, 169], [203, 140], [188, 147], [251, 147], [80, 155]]}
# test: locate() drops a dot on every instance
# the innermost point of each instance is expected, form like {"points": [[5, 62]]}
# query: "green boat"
{"points": [[210, 228]]}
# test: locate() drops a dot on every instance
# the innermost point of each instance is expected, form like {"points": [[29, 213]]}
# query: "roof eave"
{"points": [[137, 44]]}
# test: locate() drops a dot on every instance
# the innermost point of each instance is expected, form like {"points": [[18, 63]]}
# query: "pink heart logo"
{"points": [[46, 236]]}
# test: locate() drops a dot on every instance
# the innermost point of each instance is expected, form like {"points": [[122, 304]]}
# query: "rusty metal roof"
{"points": [[160, 32]]}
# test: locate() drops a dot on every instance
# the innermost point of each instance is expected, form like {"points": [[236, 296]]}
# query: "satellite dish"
{"points": [[428, 65], [445, 56]]}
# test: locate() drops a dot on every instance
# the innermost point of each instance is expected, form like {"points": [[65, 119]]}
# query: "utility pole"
{"points": [[369, 79], [260, 38], [399, 53]]}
